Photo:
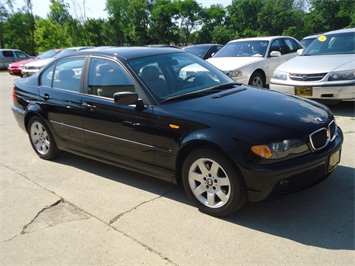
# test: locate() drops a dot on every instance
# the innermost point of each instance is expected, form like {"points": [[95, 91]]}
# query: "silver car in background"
{"points": [[324, 71], [253, 60]]}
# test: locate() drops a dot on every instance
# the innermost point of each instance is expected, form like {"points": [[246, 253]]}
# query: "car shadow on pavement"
{"points": [[346, 109], [321, 216]]}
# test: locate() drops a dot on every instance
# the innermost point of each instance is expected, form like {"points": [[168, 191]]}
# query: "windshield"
{"points": [[48, 54], [172, 75], [341, 43], [200, 51], [243, 49]]}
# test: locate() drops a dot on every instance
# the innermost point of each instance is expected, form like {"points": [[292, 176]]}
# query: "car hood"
{"points": [[318, 64], [230, 63], [22, 62], [41, 62], [250, 111]]}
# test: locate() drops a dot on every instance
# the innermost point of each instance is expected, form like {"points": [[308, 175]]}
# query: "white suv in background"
{"points": [[324, 71]]}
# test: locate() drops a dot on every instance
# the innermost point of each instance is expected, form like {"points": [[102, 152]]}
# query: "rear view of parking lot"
{"points": [[78, 211]]}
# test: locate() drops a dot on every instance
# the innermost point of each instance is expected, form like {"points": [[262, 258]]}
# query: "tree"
{"points": [[189, 16], [161, 26], [243, 16], [49, 35], [326, 15], [59, 12], [275, 17], [137, 27], [118, 20], [212, 17], [17, 32]]}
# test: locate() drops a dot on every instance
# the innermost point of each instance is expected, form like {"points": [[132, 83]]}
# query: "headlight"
{"points": [[279, 75], [235, 73], [342, 75], [281, 149]]}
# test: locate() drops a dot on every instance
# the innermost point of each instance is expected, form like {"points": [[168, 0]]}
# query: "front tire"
{"points": [[212, 183], [41, 139], [257, 80]]}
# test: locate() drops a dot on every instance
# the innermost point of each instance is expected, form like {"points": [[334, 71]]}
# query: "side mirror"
{"points": [[275, 54], [127, 98], [300, 51]]}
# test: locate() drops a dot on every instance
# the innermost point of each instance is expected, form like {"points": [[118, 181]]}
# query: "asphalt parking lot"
{"points": [[75, 211]]}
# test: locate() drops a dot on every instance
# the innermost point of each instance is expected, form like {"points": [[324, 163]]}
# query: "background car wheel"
{"points": [[257, 80], [212, 183], [42, 139]]}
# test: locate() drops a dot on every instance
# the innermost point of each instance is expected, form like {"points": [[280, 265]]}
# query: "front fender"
{"points": [[209, 138]]}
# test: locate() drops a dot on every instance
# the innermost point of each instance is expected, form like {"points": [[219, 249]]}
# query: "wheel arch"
{"points": [[200, 144], [260, 71], [31, 111]]}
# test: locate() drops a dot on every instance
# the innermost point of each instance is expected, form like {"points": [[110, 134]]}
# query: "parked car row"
{"points": [[17, 67], [31, 68]]}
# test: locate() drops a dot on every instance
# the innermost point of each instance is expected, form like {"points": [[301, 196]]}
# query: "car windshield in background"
{"points": [[200, 51], [192, 73], [243, 49], [343, 43], [48, 54]]}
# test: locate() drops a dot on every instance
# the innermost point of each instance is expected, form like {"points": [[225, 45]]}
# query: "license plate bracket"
{"points": [[304, 91], [334, 160]]}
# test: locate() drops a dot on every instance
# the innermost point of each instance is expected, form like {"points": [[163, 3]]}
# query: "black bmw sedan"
{"points": [[169, 114]]}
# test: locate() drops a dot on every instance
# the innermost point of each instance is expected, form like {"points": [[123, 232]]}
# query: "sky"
{"points": [[94, 8]]}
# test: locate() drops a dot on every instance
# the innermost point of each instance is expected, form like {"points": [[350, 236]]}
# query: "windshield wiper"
{"points": [[224, 86], [200, 93]]}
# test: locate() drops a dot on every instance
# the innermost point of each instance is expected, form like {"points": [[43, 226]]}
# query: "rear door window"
{"points": [[8, 53]]}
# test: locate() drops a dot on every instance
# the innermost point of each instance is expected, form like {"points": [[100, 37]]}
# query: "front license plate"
{"points": [[334, 159], [303, 91]]}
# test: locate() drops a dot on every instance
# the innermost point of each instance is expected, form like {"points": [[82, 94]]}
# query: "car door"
{"points": [[7, 58], [60, 92], [277, 45], [117, 133]]}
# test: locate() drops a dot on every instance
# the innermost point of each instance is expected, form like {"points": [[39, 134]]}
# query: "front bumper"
{"points": [[319, 91], [278, 179], [29, 72]]}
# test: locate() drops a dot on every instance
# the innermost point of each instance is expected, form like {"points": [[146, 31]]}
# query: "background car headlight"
{"points": [[235, 73], [279, 75], [281, 149], [342, 75]]}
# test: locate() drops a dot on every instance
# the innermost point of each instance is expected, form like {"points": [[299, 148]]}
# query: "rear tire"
{"points": [[41, 139], [212, 183]]}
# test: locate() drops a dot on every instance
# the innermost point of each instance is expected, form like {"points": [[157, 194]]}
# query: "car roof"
{"points": [[202, 45], [130, 52], [262, 38], [311, 36], [340, 31], [10, 50]]}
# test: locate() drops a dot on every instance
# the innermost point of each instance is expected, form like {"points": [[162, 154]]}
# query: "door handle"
{"points": [[89, 106], [46, 96]]}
